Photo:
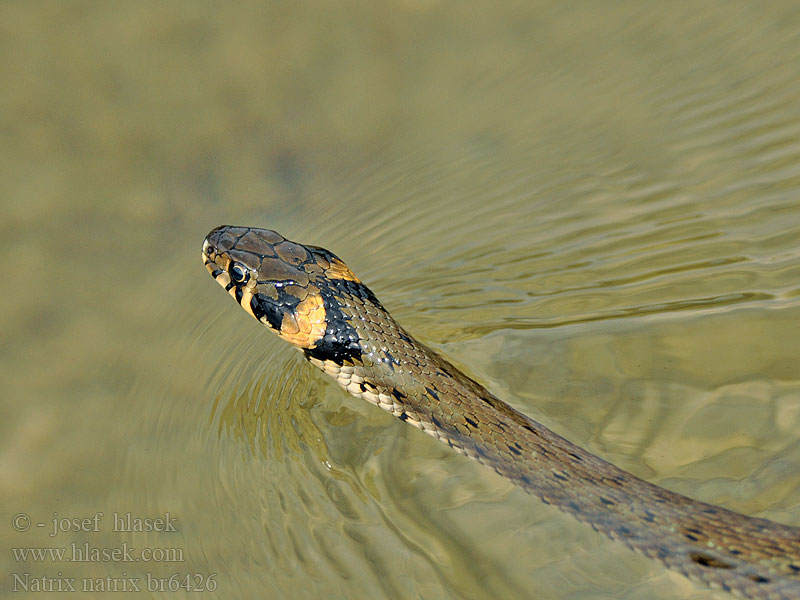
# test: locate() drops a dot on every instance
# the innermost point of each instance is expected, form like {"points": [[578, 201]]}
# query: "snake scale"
{"points": [[311, 299]]}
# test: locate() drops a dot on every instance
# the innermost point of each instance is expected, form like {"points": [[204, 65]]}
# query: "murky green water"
{"points": [[593, 208]]}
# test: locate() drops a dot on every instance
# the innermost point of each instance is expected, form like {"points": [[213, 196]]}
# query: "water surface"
{"points": [[593, 210]]}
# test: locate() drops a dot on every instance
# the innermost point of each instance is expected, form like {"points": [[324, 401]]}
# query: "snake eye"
{"points": [[239, 274]]}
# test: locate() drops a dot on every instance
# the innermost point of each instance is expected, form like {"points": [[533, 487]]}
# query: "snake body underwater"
{"points": [[311, 299]]}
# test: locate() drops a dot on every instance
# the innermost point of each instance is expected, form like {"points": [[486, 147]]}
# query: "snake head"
{"points": [[297, 291]]}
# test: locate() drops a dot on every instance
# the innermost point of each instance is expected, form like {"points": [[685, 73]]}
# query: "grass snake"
{"points": [[311, 299]]}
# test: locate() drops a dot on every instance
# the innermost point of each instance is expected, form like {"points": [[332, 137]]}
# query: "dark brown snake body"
{"points": [[311, 299]]}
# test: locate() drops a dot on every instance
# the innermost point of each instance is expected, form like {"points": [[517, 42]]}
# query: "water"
{"points": [[591, 209]]}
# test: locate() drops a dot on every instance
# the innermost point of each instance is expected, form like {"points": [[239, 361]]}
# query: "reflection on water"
{"points": [[592, 209]]}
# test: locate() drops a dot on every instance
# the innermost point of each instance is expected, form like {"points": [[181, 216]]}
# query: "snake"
{"points": [[311, 299]]}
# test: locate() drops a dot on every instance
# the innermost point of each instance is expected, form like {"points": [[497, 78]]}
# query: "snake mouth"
{"points": [[211, 261]]}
